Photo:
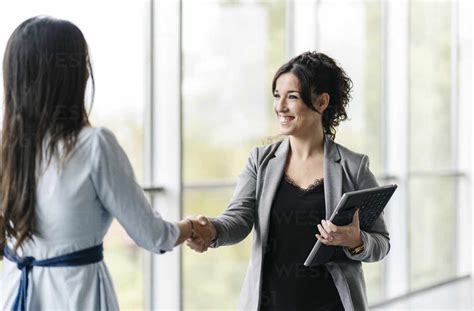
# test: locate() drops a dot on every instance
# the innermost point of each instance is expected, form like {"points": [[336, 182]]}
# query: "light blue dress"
{"points": [[76, 202]]}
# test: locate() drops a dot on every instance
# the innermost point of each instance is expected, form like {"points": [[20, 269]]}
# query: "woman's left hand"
{"points": [[348, 236]]}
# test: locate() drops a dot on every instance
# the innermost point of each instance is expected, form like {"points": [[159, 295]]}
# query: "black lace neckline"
{"points": [[314, 185]]}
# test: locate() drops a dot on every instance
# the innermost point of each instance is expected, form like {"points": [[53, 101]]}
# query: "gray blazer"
{"points": [[250, 206]]}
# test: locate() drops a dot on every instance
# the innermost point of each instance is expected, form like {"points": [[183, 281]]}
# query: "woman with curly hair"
{"points": [[288, 189]]}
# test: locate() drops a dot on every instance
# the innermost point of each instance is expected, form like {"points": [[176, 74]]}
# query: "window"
{"points": [[231, 50], [432, 187]]}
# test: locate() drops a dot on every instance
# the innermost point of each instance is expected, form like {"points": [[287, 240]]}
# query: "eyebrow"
{"points": [[290, 91]]}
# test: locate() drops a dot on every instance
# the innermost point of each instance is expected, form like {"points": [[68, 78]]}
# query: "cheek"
{"points": [[274, 107], [301, 112]]}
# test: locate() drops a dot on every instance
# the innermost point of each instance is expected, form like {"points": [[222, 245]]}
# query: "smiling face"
{"points": [[294, 116]]}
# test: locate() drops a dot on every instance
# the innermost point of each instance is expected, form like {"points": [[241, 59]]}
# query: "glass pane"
{"points": [[432, 230], [373, 274], [117, 52], [227, 82], [362, 59], [430, 85], [218, 273]]}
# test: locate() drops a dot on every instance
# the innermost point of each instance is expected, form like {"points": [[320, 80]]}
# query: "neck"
{"points": [[304, 147]]}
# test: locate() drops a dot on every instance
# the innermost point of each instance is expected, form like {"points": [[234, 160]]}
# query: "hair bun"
{"points": [[310, 59]]}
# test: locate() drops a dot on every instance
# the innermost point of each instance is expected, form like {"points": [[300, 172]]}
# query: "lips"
{"points": [[285, 119]]}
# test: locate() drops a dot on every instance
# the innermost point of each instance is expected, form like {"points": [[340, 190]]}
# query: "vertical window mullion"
{"points": [[166, 145], [148, 154], [462, 101], [397, 144]]}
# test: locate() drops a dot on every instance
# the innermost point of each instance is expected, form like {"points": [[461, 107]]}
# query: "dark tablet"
{"points": [[371, 202]]}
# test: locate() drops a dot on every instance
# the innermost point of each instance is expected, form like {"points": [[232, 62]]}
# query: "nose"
{"points": [[280, 104]]}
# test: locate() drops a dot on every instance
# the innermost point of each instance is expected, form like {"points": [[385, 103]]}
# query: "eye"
{"points": [[292, 96], [276, 95]]}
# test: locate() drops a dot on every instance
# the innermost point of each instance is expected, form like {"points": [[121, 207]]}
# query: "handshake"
{"points": [[202, 234]]}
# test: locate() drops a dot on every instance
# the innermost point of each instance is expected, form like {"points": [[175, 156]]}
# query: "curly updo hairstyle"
{"points": [[318, 73]]}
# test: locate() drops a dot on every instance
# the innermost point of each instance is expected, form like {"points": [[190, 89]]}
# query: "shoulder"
{"points": [[349, 156], [102, 142], [99, 137], [352, 162], [267, 149], [356, 167], [101, 133], [263, 152], [92, 133]]}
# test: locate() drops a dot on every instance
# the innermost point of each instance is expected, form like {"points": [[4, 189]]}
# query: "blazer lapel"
{"points": [[273, 175], [332, 176]]}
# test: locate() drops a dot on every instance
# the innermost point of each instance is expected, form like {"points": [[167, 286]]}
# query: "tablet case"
{"points": [[371, 202]]}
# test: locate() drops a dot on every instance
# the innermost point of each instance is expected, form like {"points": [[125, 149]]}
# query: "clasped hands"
{"points": [[203, 233]]}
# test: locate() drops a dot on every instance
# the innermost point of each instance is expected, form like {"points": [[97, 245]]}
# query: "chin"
{"points": [[286, 131]]}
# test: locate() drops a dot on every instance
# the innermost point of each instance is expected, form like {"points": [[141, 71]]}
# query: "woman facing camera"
{"points": [[288, 189], [63, 181]]}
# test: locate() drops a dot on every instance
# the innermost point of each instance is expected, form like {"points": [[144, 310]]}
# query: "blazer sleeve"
{"points": [[236, 222], [377, 241]]}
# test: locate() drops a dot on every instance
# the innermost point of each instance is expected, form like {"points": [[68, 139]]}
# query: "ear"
{"points": [[321, 102]]}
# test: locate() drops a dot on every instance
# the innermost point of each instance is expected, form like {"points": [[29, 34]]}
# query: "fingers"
{"points": [[203, 221], [324, 233], [329, 227], [355, 219], [203, 232], [330, 234], [323, 240], [195, 245]]}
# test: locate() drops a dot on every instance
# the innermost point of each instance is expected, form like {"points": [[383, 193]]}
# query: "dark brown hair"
{"points": [[318, 73], [45, 72]]}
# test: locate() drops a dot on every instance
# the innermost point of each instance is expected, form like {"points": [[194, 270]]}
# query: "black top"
{"points": [[286, 283]]}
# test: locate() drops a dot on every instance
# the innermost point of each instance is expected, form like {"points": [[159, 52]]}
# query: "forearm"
{"points": [[230, 229], [236, 222]]}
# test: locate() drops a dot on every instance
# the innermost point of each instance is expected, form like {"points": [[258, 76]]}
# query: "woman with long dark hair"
{"points": [[61, 180]]}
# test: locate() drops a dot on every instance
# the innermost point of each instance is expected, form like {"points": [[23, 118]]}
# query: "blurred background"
{"points": [[186, 87]]}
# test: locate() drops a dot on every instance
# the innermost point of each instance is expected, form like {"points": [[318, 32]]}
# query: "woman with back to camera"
{"points": [[288, 189], [63, 181]]}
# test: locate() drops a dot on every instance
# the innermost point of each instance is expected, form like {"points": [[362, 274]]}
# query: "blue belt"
{"points": [[25, 264]]}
